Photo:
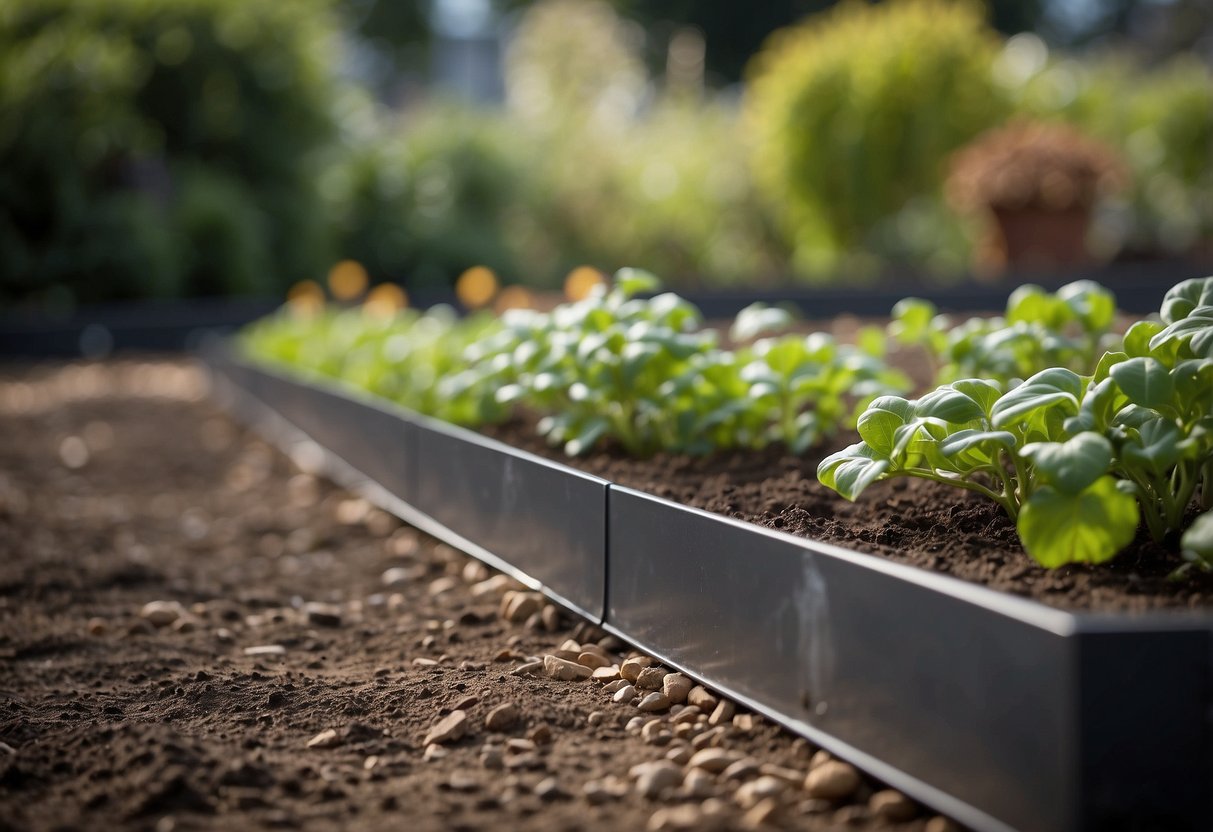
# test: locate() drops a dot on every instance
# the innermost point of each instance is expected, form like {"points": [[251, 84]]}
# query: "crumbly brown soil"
{"points": [[120, 485]]}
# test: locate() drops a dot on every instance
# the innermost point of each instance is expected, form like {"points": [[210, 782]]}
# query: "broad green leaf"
{"points": [[1145, 381], [1090, 526], [1197, 542], [1092, 304], [586, 436], [759, 319], [851, 470], [911, 320], [634, 281], [1139, 335], [1071, 465], [1182, 298], [879, 423], [1053, 388], [949, 405], [987, 441], [1154, 446]]}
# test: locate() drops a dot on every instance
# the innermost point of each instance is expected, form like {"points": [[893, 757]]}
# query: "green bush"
{"points": [[155, 147], [855, 112]]}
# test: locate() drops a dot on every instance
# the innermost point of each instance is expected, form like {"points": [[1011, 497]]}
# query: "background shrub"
{"points": [[160, 146]]}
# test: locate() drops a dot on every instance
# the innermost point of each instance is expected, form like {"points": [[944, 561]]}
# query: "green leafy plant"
{"points": [[1070, 328], [1075, 460]]}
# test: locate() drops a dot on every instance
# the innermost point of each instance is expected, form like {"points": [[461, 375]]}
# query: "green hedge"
{"points": [[157, 147]]}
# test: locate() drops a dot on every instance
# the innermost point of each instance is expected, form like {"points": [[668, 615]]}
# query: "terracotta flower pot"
{"points": [[1033, 238]]}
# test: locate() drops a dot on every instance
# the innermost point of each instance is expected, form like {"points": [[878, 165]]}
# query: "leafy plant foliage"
{"points": [[1075, 459]]}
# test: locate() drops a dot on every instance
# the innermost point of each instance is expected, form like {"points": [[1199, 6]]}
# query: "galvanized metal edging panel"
{"points": [[973, 702], [542, 523]]}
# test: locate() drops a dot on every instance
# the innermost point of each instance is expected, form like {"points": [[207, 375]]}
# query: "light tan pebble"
{"points": [[761, 815], [442, 585], [654, 778], [630, 668], [593, 661], [698, 784], [791, 776], [502, 717], [708, 738], [567, 655], [517, 607], [625, 694], [328, 738], [688, 714], [433, 752], [685, 730], [941, 824], [517, 745], [565, 670], [527, 760], [614, 687], [506, 655], [744, 722], [701, 698], [743, 769], [591, 647], [595, 718], [396, 602], [679, 754], [265, 650], [96, 626], [540, 734], [606, 674], [450, 728], [496, 585], [684, 818], [527, 669], [650, 729], [491, 758], [161, 613], [650, 678], [400, 575], [571, 645], [802, 748], [714, 760], [184, 625], [608, 788], [423, 661], [224, 636], [635, 724], [892, 806], [820, 758], [677, 687], [370, 762], [549, 616], [654, 702], [474, 572], [549, 789], [724, 713], [832, 780], [755, 791], [352, 511]]}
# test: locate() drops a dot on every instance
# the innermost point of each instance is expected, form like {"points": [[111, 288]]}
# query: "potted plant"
{"points": [[1037, 185]]}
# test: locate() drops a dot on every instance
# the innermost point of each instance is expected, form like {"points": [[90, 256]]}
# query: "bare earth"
{"points": [[121, 485]]}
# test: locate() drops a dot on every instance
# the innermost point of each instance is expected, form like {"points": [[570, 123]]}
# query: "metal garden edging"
{"points": [[997, 710]]}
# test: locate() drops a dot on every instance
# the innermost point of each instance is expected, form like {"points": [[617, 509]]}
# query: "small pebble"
{"points": [[161, 613], [698, 784], [701, 698], [654, 778], [433, 752], [650, 678], [724, 713], [265, 650], [630, 669], [713, 759], [549, 789], [564, 669], [677, 687], [327, 738], [502, 717], [448, 729], [655, 701], [892, 805], [625, 694], [832, 780], [322, 615], [96, 626], [616, 686]]}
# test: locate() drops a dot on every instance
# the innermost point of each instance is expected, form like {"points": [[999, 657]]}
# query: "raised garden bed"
{"points": [[1002, 712]]}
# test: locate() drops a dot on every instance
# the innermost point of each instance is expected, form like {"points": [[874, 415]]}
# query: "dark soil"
{"points": [[120, 486], [911, 521]]}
